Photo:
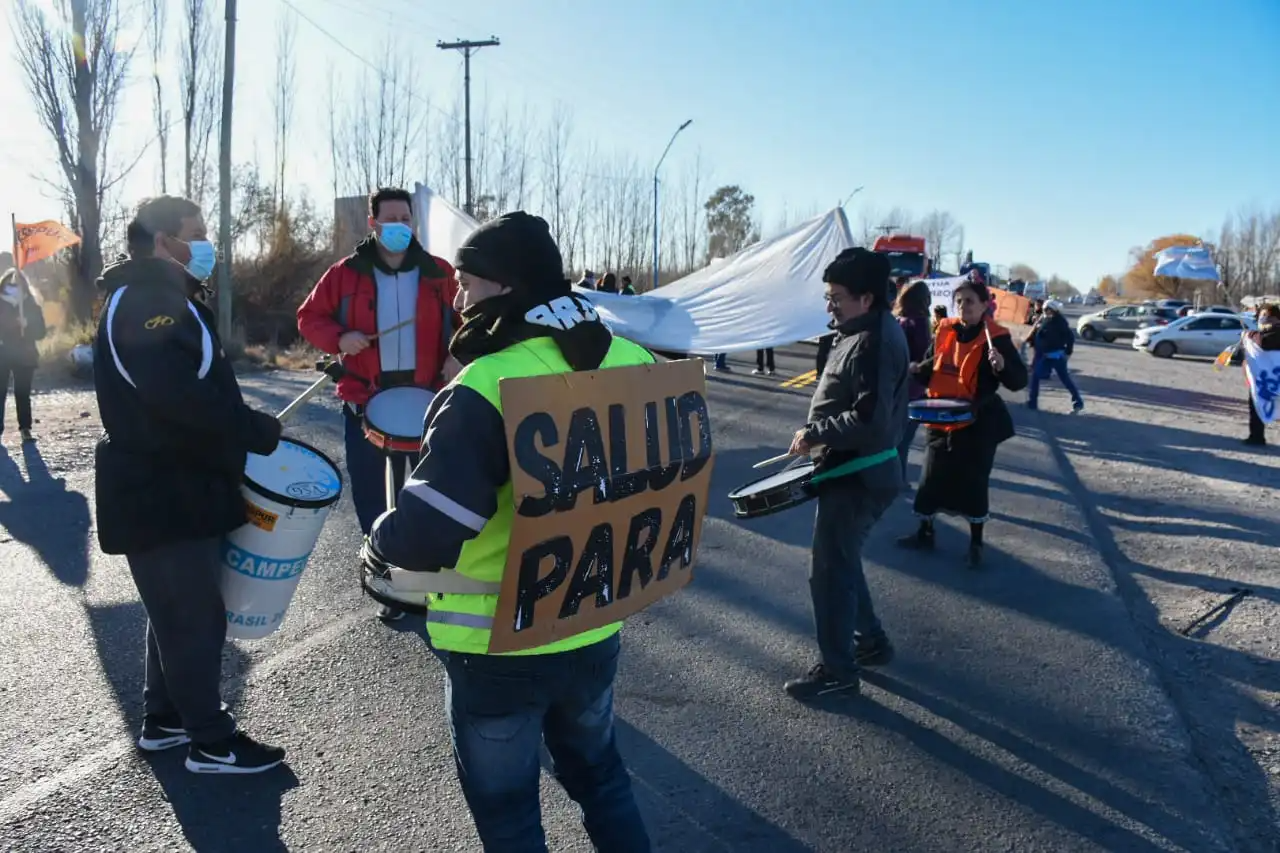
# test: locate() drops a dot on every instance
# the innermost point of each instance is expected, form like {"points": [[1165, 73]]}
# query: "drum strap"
{"points": [[445, 581], [855, 465]]}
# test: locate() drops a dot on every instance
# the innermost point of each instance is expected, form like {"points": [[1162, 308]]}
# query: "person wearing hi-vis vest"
{"points": [[856, 417], [388, 285], [971, 358], [454, 517]]}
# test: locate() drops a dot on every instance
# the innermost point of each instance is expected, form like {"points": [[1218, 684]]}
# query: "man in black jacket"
{"points": [[1054, 343], [168, 472], [857, 416]]}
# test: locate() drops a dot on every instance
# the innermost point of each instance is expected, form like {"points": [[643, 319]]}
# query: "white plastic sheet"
{"points": [[1192, 262], [769, 294]]}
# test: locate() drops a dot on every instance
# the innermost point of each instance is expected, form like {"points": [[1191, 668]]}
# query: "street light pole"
{"points": [[655, 198], [851, 195]]}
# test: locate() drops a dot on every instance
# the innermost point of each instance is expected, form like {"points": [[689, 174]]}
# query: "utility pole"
{"points": [[224, 177], [468, 48]]}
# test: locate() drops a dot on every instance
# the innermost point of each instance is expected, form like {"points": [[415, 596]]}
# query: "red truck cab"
{"points": [[907, 255]]}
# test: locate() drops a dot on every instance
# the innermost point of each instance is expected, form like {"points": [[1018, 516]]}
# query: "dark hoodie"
{"points": [[176, 428], [463, 464]]}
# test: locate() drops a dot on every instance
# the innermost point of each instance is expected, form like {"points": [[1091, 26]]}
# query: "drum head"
{"points": [[399, 412], [940, 403], [782, 478], [295, 474]]}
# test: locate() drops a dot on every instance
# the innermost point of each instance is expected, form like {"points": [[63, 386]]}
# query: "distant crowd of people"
{"points": [[607, 283]]}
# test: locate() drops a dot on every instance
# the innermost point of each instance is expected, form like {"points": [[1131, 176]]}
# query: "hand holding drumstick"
{"points": [[993, 354]]}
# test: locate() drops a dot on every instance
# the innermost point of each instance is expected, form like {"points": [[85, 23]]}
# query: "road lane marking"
{"points": [[807, 378], [16, 804]]}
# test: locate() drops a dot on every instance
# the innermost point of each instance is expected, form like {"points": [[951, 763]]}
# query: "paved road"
{"points": [[1023, 711]]}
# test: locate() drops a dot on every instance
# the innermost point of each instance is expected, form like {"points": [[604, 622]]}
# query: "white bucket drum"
{"points": [[288, 496]]}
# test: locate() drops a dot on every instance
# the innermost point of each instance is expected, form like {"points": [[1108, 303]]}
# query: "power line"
{"points": [[425, 102]]}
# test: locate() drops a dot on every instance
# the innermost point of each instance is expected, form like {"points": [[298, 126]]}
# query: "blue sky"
{"points": [[1058, 133]]}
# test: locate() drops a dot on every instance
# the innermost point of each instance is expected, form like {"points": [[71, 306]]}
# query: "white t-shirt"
{"points": [[397, 302]]}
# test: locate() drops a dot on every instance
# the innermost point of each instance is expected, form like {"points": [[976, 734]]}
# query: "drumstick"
{"points": [[780, 457], [306, 395], [396, 327]]}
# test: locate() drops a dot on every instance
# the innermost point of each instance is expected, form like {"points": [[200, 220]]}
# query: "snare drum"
{"points": [[393, 418], [378, 578], [940, 411], [408, 591], [789, 487]]}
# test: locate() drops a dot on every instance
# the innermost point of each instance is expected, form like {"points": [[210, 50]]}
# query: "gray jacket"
{"points": [[859, 408]]}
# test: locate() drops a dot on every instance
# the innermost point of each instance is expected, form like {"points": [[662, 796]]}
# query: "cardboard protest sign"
{"points": [[1010, 307], [610, 471]]}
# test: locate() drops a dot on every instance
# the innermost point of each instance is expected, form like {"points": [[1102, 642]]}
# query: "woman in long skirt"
{"points": [[971, 358]]}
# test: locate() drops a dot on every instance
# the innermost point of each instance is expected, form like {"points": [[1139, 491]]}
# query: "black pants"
{"points": [[762, 355], [1257, 429], [21, 392], [186, 628]]}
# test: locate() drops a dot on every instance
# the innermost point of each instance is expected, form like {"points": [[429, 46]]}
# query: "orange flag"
{"points": [[39, 240]]}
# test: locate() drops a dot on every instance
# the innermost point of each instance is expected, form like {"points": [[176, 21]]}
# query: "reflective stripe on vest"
{"points": [[461, 623], [956, 364]]}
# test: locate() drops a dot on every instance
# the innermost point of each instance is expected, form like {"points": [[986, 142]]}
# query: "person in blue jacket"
{"points": [[1054, 341]]}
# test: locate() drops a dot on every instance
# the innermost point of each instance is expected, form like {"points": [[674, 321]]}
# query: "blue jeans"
{"points": [[367, 471], [503, 708], [842, 610], [1040, 368]]}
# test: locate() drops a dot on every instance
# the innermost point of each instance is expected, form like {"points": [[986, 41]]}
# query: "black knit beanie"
{"points": [[860, 271], [516, 250]]}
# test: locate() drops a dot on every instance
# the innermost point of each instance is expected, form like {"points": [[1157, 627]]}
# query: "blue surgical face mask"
{"points": [[395, 236], [203, 258]]}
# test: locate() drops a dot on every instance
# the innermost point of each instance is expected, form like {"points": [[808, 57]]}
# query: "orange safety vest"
{"points": [[955, 364]]}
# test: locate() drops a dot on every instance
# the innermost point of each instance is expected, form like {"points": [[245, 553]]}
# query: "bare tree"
{"points": [[283, 97], [939, 229], [555, 176], [74, 67], [200, 93], [156, 23], [381, 127], [692, 215]]}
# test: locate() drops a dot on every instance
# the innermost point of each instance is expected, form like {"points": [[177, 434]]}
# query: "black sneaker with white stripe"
{"points": [[164, 731], [237, 754]]}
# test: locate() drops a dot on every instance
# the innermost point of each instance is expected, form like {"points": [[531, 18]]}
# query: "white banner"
{"points": [[1263, 369], [768, 295], [943, 291]]}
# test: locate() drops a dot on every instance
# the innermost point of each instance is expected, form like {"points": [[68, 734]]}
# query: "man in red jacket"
{"points": [[388, 280]]}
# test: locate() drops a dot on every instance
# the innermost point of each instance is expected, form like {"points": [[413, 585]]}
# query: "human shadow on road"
{"points": [[1201, 677], [42, 513], [242, 816], [1081, 821], [1160, 447], [1033, 734], [687, 812], [1164, 397]]}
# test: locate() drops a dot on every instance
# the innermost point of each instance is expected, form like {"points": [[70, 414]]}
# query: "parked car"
{"points": [[1122, 321], [1199, 334], [1188, 310]]}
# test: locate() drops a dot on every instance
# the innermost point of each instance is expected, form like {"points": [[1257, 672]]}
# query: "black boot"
{"points": [[921, 540], [975, 545]]}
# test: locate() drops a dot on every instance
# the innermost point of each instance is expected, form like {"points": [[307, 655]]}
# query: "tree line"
{"points": [[383, 130], [1246, 250]]}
